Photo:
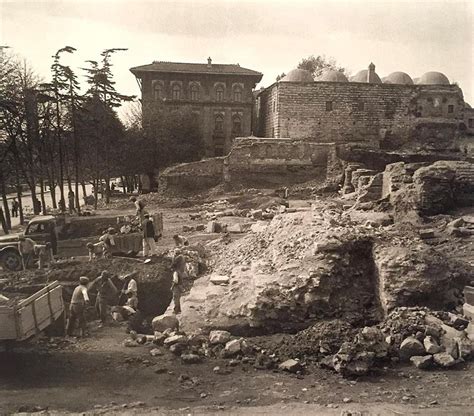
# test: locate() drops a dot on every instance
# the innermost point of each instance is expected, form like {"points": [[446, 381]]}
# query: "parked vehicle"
{"points": [[56, 230]]}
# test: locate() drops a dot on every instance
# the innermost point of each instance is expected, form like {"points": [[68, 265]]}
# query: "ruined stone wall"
{"points": [[375, 115], [192, 177], [257, 162], [275, 162]]}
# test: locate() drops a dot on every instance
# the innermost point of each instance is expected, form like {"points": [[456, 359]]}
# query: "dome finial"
{"points": [[209, 62]]}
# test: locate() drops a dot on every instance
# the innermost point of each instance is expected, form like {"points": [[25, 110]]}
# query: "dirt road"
{"points": [[99, 374]]}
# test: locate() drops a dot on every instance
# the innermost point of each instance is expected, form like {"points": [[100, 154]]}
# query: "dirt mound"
{"points": [[310, 344]]}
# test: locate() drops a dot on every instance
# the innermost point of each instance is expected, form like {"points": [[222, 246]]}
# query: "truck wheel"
{"points": [[11, 260]]}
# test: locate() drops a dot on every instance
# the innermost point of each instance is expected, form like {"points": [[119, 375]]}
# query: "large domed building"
{"points": [[298, 75]]}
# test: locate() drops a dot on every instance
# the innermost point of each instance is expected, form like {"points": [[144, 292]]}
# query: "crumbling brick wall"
{"points": [[376, 115]]}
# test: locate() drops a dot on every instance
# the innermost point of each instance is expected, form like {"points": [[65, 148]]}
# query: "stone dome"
{"points": [[433, 78], [361, 76], [332, 75], [398, 78], [416, 80], [298, 75]]}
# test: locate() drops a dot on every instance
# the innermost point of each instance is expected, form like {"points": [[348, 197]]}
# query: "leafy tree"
{"points": [[317, 65], [281, 76]]}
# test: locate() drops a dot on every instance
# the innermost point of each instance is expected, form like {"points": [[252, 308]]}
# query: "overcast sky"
{"points": [[268, 36]]}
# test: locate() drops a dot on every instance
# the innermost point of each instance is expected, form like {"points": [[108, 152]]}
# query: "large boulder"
{"points": [[164, 322], [411, 347]]}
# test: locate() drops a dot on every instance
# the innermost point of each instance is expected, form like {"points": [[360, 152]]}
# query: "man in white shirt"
{"points": [[79, 302]]}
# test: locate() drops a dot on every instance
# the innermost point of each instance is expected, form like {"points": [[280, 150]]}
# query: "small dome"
{"points": [[398, 78], [434, 78], [416, 80], [332, 75], [298, 75], [361, 76]]}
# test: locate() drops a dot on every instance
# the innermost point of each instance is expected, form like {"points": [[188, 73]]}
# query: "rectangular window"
{"points": [[470, 123], [328, 105], [450, 108]]}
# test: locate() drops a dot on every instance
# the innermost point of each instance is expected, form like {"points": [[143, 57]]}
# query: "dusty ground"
{"points": [[100, 375]]}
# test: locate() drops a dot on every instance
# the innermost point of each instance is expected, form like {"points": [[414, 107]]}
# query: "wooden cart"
{"points": [[32, 315]]}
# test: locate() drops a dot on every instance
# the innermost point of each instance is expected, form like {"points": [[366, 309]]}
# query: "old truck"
{"points": [[68, 237], [22, 320]]}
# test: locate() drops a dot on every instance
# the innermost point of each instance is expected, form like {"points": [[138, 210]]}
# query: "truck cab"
{"points": [[41, 229]]}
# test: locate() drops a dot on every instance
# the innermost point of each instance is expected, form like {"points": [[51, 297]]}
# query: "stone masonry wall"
{"points": [[375, 115], [256, 162]]}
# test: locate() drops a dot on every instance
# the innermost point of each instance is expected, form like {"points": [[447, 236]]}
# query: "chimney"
{"points": [[209, 62], [371, 73]]}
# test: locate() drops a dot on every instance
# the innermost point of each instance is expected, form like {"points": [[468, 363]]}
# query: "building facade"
{"points": [[386, 113], [220, 95]]}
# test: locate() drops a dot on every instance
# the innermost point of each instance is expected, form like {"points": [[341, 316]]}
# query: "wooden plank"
{"points": [[7, 324], [36, 295]]}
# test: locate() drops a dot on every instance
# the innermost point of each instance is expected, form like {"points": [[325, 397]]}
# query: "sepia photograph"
{"points": [[237, 207]]}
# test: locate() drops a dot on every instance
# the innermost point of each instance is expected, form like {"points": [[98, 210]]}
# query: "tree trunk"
{"points": [[3, 221], [107, 190], [36, 211], [84, 191], [43, 201], [96, 193], [20, 202], [6, 208], [122, 178], [52, 191]]}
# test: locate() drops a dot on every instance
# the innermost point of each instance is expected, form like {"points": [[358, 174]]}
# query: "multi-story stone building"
{"points": [[219, 94]]}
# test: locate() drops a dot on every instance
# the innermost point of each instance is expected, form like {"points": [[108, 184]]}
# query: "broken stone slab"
{"points": [[468, 311], [163, 322], [469, 295], [431, 346], [175, 339], [290, 365], [219, 279], [425, 234], [232, 347], [219, 337], [200, 227], [324, 246], [155, 352], [234, 228], [422, 362], [256, 213], [410, 347], [188, 228], [443, 359], [191, 358], [458, 322], [177, 349], [464, 347]]}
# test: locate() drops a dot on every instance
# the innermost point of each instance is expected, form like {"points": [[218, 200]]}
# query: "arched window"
{"points": [[219, 93], [176, 92], [238, 93], [194, 92], [158, 91], [219, 123], [236, 125]]}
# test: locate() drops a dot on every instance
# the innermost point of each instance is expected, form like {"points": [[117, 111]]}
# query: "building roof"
{"points": [[194, 68], [298, 75], [398, 78], [331, 75], [434, 78]]}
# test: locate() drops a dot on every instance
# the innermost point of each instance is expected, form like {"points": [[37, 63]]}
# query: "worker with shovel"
{"points": [[77, 308], [106, 290]]}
